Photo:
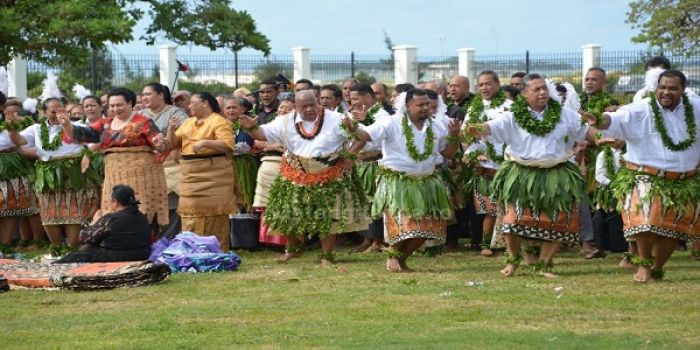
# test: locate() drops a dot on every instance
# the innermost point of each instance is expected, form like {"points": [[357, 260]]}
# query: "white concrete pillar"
{"points": [[591, 58], [168, 66], [466, 66], [17, 78], [302, 62], [405, 64]]}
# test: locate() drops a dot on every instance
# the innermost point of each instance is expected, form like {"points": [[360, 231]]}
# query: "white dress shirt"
{"points": [[601, 174], [635, 124], [376, 145], [524, 145], [329, 140], [5, 142], [33, 136], [480, 145], [395, 154]]}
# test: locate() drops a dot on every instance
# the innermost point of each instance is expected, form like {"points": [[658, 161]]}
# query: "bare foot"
{"points": [[326, 263], [625, 263], [393, 265], [373, 248], [509, 270], [361, 248], [286, 257], [643, 274], [547, 274], [486, 252], [404, 266]]}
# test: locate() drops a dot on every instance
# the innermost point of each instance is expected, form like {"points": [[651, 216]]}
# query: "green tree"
{"points": [[667, 24], [365, 78], [53, 31]]}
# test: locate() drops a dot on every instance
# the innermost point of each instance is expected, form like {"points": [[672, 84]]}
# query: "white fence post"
{"points": [[17, 78], [405, 64], [591, 58], [466, 66], [302, 62], [168, 66]]}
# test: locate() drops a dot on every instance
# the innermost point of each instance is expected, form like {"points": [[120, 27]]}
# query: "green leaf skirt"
{"points": [[333, 207], [544, 190], [65, 174], [13, 165], [412, 196]]}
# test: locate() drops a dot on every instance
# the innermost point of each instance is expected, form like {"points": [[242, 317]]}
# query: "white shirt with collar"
{"points": [[635, 124], [480, 145], [5, 142], [376, 145], [33, 136], [329, 140], [601, 173], [395, 154], [524, 145]]}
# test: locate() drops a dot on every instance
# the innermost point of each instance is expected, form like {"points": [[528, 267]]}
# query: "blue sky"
{"points": [[436, 27]]}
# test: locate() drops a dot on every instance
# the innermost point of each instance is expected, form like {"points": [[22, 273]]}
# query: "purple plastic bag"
{"points": [[189, 252]]}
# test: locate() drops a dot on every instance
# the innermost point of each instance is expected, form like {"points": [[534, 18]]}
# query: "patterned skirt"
{"points": [[138, 168], [540, 203], [645, 210], [412, 206], [482, 201], [16, 193]]}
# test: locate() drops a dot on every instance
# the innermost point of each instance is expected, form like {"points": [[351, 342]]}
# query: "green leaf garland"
{"points": [[595, 104], [689, 122], [47, 145], [410, 142], [525, 119]]}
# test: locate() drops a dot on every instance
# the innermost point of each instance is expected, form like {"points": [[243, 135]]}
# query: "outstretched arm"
{"points": [[251, 127]]}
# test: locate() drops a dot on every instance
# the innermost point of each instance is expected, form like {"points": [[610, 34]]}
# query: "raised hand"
{"points": [[454, 127], [359, 114], [248, 122], [588, 118]]}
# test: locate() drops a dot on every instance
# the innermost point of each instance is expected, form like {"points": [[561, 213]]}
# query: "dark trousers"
{"points": [[468, 224], [607, 230], [376, 230]]}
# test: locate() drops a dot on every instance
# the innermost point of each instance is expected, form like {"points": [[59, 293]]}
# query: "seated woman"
{"points": [[123, 234]]}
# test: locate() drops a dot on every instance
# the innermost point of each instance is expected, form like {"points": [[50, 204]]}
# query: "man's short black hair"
{"points": [[672, 73], [658, 61], [410, 94], [399, 88], [518, 75], [597, 69], [337, 92], [269, 81], [304, 81], [362, 89]]}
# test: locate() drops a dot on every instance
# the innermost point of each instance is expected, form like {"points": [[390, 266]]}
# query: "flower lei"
{"points": [[12, 126], [689, 122], [318, 124], [595, 104], [47, 145], [524, 119], [410, 143]]}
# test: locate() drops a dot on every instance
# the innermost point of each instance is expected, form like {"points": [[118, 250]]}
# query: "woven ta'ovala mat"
{"points": [[82, 276]]}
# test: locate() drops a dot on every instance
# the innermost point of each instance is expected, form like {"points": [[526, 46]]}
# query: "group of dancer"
{"points": [[328, 160]]}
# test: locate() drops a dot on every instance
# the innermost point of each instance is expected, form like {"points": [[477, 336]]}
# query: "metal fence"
{"points": [[625, 68]]}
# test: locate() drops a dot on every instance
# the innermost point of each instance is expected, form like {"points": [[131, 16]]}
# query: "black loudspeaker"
{"points": [[244, 230]]}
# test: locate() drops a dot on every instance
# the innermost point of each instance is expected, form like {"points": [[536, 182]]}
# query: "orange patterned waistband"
{"points": [[301, 177], [671, 175]]}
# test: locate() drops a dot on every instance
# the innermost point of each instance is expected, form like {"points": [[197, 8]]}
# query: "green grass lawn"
{"points": [[266, 305]]}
